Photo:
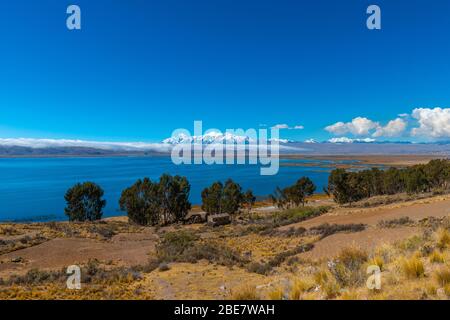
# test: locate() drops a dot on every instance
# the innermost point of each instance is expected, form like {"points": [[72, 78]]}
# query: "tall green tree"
{"points": [[249, 200], [232, 197], [223, 198], [212, 198], [142, 203], [338, 186], [84, 202], [162, 202]]}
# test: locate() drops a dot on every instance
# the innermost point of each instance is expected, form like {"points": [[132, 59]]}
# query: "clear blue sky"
{"points": [[139, 69]]}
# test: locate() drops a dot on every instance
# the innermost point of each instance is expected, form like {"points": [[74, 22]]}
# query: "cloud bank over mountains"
{"points": [[422, 123], [67, 143]]}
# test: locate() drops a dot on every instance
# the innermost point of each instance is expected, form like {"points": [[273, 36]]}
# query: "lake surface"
{"points": [[32, 189]]}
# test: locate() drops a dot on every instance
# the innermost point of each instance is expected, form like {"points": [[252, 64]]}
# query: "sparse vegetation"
{"points": [[325, 230], [185, 246], [393, 223]]}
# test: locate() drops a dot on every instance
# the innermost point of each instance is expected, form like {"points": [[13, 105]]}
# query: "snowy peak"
{"points": [[215, 137]]}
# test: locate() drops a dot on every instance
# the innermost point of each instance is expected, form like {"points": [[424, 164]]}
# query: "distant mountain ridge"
{"points": [[54, 147]]}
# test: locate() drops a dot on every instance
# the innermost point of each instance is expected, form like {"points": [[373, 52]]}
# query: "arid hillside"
{"points": [[318, 252]]}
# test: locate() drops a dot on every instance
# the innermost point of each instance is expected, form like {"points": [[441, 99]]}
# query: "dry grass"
{"points": [[413, 267], [245, 293], [443, 238], [442, 276], [276, 294], [436, 257], [299, 287], [377, 261]]}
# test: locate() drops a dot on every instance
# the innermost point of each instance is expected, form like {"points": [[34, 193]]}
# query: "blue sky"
{"points": [[139, 69]]}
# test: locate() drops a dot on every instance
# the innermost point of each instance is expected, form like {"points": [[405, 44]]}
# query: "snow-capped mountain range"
{"points": [[215, 138]]}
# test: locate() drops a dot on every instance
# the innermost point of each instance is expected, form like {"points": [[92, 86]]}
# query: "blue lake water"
{"points": [[32, 189]]}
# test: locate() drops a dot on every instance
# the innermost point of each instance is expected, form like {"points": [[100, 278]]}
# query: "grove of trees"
{"points": [[350, 186], [160, 202], [226, 198], [295, 195], [84, 202]]}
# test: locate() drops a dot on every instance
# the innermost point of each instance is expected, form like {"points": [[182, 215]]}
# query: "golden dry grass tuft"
{"points": [[276, 294], [442, 276], [412, 267], [443, 238], [436, 257], [246, 292], [299, 287]]}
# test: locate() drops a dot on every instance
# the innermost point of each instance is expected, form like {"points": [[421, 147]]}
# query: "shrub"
{"points": [[259, 268], [291, 216], [413, 267], [352, 257], [36, 277], [299, 287], [442, 276], [84, 202], [377, 261], [173, 244], [347, 267], [394, 222], [245, 293], [443, 238], [183, 246], [327, 283], [163, 267], [276, 294], [325, 229], [436, 257]]}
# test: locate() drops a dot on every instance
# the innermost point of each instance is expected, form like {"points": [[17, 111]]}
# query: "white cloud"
{"points": [[285, 126], [359, 126], [433, 123], [104, 145], [281, 126], [62, 143], [394, 128], [349, 140]]}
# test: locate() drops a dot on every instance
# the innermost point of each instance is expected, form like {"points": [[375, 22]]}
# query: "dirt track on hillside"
{"points": [[373, 236]]}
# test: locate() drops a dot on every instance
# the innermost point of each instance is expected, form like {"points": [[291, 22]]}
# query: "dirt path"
{"points": [[416, 210], [122, 249]]}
